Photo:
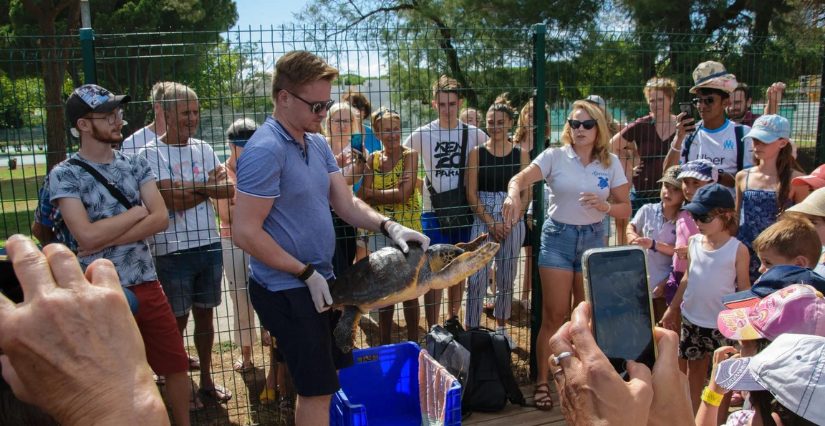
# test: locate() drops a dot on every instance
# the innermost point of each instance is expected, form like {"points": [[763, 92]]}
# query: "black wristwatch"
{"points": [[383, 226], [653, 247]]}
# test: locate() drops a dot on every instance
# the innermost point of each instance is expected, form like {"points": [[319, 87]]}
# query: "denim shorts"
{"points": [[562, 245], [191, 277]]}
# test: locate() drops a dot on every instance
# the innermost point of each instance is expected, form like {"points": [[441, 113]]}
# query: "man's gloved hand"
{"points": [[319, 289], [401, 234]]}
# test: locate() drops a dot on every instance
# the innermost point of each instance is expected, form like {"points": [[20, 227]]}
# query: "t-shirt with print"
{"points": [[719, 147], [193, 227], [651, 223], [440, 150], [128, 173], [138, 140], [567, 178]]}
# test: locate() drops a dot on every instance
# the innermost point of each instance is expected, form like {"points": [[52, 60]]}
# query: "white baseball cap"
{"points": [[792, 368]]}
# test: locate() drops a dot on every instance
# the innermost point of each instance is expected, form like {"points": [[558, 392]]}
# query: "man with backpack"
{"points": [[716, 138]]}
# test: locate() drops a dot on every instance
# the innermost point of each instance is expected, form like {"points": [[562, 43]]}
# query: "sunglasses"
{"points": [[315, 107], [703, 218], [387, 111], [587, 124], [707, 101]]}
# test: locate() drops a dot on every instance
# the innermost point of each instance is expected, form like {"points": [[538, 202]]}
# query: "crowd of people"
{"points": [[732, 227]]}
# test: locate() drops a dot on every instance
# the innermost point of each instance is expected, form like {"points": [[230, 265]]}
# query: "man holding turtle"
{"points": [[287, 180]]}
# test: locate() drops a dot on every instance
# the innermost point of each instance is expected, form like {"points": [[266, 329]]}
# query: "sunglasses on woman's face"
{"points": [[704, 218], [707, 101], [587, 124]]}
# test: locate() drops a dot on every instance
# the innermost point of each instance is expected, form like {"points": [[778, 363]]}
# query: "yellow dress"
{"points": [[407, 213]]}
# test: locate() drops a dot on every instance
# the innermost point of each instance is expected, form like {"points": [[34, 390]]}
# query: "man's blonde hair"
{"points": [[157, 91], [299, 68], [666, 85], [446, 84], [601, 146]]}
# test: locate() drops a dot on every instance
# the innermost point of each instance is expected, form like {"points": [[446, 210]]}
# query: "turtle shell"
{"points": [[382, 274]]}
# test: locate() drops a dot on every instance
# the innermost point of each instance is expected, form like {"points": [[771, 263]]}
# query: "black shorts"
{"points": [[697, 341], [304, 338]]}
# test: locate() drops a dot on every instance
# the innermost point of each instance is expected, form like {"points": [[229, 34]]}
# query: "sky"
{"points": [[267, 12]]}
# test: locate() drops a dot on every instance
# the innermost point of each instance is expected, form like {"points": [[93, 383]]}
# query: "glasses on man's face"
{"points": [[587, 124], [315, 107], [341, 121], [111, 117], [707, 101], [703, 218]]}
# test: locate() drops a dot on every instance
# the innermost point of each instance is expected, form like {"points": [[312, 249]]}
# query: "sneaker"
{"points": [[503, 330]]}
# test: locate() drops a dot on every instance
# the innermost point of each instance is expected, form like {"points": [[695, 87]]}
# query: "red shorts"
{"points": [[159, 329]]}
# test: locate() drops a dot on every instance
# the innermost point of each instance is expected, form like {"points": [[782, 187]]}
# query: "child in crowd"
{"points": [[764, 191], [717, 263], [470, 116], [791, 241], [813, 209], [654, 229], [694, 175]]}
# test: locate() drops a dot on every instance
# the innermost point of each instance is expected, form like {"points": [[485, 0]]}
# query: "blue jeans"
{"points": [[191, 277], [562, 245]]}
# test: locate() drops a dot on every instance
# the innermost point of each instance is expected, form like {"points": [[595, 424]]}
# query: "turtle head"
{"points": [[449, 265], [442, 254]]}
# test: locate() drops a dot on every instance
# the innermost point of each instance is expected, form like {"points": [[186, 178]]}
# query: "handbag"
{"points": [[450, 207]]}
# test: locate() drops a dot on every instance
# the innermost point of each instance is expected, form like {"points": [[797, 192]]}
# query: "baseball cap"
{"points": [[713, 75], [813, 204], [596, 99], [671, 176], [709, 197], [770, 128], [92, 98], [702, 169], [790, 368], [796, 309], [776, 278], [816, 179]]}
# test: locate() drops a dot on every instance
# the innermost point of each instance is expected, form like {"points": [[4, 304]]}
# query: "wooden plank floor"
{"points": [[514, 415]]}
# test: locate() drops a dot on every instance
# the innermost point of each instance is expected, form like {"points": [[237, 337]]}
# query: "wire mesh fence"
{"points": [[412, 142]]}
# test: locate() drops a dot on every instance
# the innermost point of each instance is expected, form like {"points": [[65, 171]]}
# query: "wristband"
{"points": [[609, 206], [674, 149], [306, 273], [711, 397], [383, 226], [653, 247]]}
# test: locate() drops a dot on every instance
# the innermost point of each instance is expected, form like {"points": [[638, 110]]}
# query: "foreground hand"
{"points": [[72, 347], [400, 234], [590, 390], [671, 392], [319, 290], [642, 242]]}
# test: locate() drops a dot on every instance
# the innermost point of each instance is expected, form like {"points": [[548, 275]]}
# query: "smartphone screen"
{"points": [[355, 142], [9, 285], [687, 108], [616, 286]]}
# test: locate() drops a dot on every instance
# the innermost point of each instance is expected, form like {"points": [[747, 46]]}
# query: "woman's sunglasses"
{"points": [[315, 107], [587, 124], [704, 218]]}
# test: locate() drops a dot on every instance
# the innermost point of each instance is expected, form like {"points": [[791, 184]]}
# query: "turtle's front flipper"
{"points": [[463, 266], [345, 330]]}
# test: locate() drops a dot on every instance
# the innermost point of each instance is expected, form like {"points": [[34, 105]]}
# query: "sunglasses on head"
{"points": [[587, 124], [384, 112], [315, 107], [704, 218], [707, 101]]}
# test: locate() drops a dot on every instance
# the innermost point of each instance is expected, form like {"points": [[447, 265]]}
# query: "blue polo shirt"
{"points": [[274, 165]]}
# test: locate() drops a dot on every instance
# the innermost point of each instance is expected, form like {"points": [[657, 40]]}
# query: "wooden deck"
{"points": [[514, 415]]}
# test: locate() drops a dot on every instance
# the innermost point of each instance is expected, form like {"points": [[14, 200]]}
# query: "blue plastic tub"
{"points": [[381, 389]]}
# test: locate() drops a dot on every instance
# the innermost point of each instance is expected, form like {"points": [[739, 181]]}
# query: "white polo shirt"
{"points": [[567, 178]]}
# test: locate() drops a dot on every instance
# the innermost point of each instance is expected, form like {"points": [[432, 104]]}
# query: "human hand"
{"points": [[671, 391], [638, 169], [511, 208], [217, 175], [719, 355], [495, 231], [659, 291], [529, 221], [139, 212], [681, 252], [643, 242], [775, 91], [591, 201], [400, 234], [683, 128], [319, 290], [672, 318], [72, 347], [587, 378]]}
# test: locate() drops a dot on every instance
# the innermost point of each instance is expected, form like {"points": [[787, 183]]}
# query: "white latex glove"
{"points": [[401, 234], [319, 289]]}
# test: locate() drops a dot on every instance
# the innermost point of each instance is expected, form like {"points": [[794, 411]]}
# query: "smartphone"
{"points": [[616, 285], [9, 285], [687, 108], [356, 142]]}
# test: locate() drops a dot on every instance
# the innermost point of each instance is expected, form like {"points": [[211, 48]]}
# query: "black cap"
{"points": [[710, 197], [92, 98], [776, 278]]}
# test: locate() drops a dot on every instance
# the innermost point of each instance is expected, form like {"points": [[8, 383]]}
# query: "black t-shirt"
{"points": [[495, 172]]}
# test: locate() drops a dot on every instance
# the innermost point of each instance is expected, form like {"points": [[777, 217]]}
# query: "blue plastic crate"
{"points": [[382, 389]]}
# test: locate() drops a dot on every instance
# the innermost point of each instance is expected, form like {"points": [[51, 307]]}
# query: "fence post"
{"points": [[87, 44], [539, 136], [820, 126]]}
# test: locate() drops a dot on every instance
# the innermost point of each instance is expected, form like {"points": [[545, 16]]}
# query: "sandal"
{"points": [[194, 363], [491, 304], [243, 367], [544, 403], [267, 397], [219, 393]]}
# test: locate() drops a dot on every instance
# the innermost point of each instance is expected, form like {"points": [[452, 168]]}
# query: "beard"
{"points": [[106, 138]]}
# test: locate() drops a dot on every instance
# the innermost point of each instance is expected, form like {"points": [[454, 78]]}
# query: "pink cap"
{"points": [[798, 309], [816, 179]]}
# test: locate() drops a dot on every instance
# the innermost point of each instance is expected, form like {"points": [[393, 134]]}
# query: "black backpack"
{"points": [[490, 381]]}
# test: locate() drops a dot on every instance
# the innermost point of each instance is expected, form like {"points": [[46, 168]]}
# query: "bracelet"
{"points": [[609, 206], [674, 149], [711, 397], [653, 247], [383, 226], [306, 273]]}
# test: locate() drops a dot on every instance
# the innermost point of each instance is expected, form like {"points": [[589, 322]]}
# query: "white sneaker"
{"points": [[503, 330]]}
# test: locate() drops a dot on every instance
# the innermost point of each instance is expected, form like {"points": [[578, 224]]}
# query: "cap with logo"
{"points": [[770, 128], [671, 176], [792, 368], [710, 197], [702, 169], [92, 98], [776, 278], [713, 75], [796, 309], [816, 179]]}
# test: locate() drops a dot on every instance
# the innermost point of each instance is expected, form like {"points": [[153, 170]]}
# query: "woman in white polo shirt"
{"points": [[581, 175]]}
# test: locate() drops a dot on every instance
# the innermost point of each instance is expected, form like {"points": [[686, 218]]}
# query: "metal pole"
{"points": [[820, 127], [87, 44], [539, 136]]}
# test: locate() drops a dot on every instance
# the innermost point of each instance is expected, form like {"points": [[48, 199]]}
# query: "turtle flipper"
{"points": [[345, 330], [463, 266], [472, 245]]}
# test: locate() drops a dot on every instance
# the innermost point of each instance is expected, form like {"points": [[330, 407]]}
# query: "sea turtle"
{"points": [[388, 276]]}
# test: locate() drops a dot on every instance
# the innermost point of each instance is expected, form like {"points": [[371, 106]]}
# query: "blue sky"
{"points": [[267, 12]]}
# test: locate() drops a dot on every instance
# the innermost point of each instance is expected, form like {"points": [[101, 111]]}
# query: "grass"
{"points": [[18, 199]]}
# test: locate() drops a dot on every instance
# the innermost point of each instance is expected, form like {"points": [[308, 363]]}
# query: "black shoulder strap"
{"points": [[108, 185], [740, 146], [505, 373], [689, 140]]}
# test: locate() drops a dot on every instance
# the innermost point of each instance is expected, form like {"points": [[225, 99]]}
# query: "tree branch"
{"points": [[363, 17], [717, 18]]}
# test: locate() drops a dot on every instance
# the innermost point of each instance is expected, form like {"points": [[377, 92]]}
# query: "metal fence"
{"points": [[231, 72]]}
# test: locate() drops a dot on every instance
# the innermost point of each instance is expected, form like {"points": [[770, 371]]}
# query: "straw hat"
{"points": [[713, 75], [813, 205]]}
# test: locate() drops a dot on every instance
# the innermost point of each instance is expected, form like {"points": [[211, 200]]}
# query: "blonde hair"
{"points": [[524, 126], [666, 85], [338, 107], [157, 91], [466, 111], [172, 93], [601, 146], [378, 116], [298, 68], [447, 85]]}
